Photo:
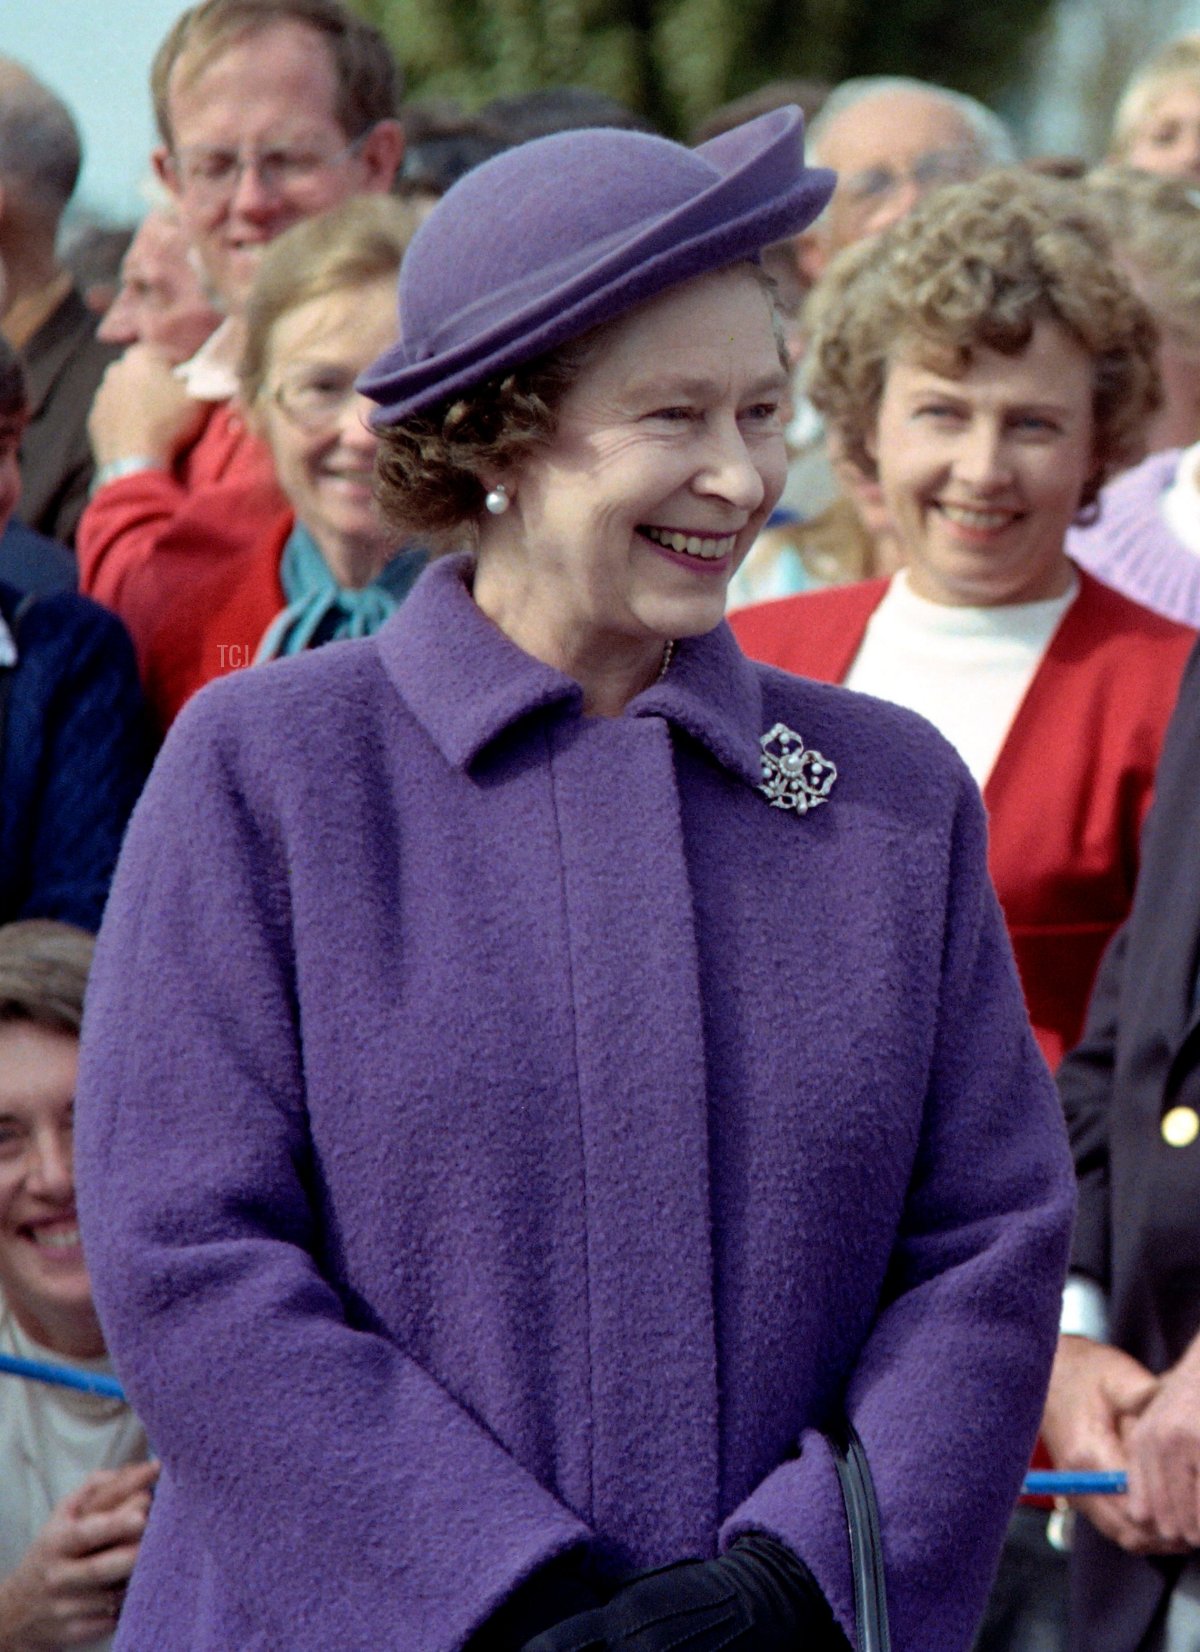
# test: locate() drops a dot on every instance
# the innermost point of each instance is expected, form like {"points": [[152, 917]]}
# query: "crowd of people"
{"points": [[558, 1063]]}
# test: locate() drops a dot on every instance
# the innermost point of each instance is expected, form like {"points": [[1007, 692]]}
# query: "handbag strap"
{"points": [[866, 1543]]}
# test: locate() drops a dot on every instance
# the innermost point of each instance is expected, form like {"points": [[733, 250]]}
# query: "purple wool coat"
{"points": [[501, 1130]]}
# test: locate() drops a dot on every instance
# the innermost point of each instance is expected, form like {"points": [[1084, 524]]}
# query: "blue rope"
{"points": [[1066, 1483], [63, 1376]]}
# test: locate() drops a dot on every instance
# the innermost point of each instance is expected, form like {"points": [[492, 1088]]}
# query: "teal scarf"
{"points": [[319, 610]]}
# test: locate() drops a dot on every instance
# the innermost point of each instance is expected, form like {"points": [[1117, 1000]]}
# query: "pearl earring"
{"points": [[497, 500]]}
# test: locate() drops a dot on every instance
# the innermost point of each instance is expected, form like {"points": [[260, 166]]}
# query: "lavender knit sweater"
{"points": [[1132, 548]]}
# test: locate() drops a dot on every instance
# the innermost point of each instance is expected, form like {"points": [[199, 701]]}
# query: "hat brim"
{"points": [[762, 194]]}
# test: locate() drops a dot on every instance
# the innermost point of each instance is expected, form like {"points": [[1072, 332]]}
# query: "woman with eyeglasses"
{"points": [[322, 307]]}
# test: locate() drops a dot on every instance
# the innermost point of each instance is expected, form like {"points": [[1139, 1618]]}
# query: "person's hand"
{"points": [[142, 411], [1097, 1394], [70, 1583], [1164, 1456]]}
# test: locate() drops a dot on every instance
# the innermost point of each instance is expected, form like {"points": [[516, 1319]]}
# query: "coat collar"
{"points": [[467, 683]]}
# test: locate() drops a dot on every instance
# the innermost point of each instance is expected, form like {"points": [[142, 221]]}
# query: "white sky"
{"points": [[96, 55]]}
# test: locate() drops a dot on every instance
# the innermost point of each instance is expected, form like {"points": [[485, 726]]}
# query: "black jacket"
{"points": [[1138, 1227]]}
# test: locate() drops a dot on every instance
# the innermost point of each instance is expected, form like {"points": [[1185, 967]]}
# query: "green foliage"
{"points": [[675, 60]]}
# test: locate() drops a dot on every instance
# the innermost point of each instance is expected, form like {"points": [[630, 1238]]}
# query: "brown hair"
{"points": [[368, 79], [430, 470], [44, 969], [361, 241], [977, 266]]}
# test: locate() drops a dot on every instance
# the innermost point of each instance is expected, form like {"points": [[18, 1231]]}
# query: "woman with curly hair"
{"points": [[992, 394], [537, 1059]]}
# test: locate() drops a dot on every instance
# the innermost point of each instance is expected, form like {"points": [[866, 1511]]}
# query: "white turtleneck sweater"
{"points": [[964, 669]]}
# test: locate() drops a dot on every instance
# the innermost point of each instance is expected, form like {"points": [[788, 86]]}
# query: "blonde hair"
{"points": [[1155, 227], [44, 972], [1177, 62], [361, 241], [977, 266]]}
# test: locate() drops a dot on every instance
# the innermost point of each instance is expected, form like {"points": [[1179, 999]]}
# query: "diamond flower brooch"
{"points": [[793, 776]]}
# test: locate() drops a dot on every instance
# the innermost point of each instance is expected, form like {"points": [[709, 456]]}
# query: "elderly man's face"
{"points": [[161, 299], [888, 152], [257, 145]]}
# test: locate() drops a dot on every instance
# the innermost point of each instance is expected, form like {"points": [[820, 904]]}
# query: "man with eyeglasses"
{"points": [[892, 140], [269, 111]]}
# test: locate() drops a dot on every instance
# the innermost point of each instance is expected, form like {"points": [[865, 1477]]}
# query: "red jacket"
{"points": [[189, 558], [214, 597], [1070, 788]]}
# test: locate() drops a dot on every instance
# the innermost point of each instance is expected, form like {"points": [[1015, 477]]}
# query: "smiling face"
{"points": [[43, 1277], [666, 460], [257, 145], [982, 474], [314, 422], [1167, 138]]}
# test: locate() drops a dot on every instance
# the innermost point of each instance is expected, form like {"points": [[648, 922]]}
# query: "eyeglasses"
{"points": [[211, 174], [877, 184], [315, 400]]}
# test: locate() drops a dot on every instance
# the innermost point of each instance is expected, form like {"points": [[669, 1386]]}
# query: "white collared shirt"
{"points": [[211, 374]]}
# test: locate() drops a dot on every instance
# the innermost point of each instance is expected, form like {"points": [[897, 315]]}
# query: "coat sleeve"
{"points": [[119, 530], [319, 1462], [947, 1388]]}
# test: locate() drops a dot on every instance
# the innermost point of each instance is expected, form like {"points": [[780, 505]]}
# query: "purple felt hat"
{"points": [[550, 238]]}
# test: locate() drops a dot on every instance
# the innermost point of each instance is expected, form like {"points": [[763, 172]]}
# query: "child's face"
{"points": [[1167, 138]]}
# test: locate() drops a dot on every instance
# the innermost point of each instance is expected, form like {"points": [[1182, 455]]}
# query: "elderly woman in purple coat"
{"points": [[542, 1068]]}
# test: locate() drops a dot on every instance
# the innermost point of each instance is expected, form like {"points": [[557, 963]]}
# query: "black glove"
{"points": [[560, 1589], [758, 1597]]}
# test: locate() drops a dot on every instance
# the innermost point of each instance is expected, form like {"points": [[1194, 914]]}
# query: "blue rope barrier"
{"points": [[1038, 1483], [64, 1376], [1066, 1483]]}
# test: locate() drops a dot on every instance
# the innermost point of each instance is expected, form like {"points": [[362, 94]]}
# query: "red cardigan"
{"points": [[213, 598], [189, 558], [128, 520], [1070, 788]]}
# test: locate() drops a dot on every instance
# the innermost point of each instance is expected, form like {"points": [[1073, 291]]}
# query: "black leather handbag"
{"points": [[866, 1546]]}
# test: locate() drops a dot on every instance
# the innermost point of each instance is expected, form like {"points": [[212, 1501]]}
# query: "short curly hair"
{"points": [[977, 266], [433, 470]]}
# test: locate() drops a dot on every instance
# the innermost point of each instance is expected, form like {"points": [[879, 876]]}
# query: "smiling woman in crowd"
{"points": [[992, 397], [74, 1480], [538, 1061], [322, 307]]}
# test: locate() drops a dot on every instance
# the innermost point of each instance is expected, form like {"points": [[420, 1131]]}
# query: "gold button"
{"points": [[1181, 1126]]}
